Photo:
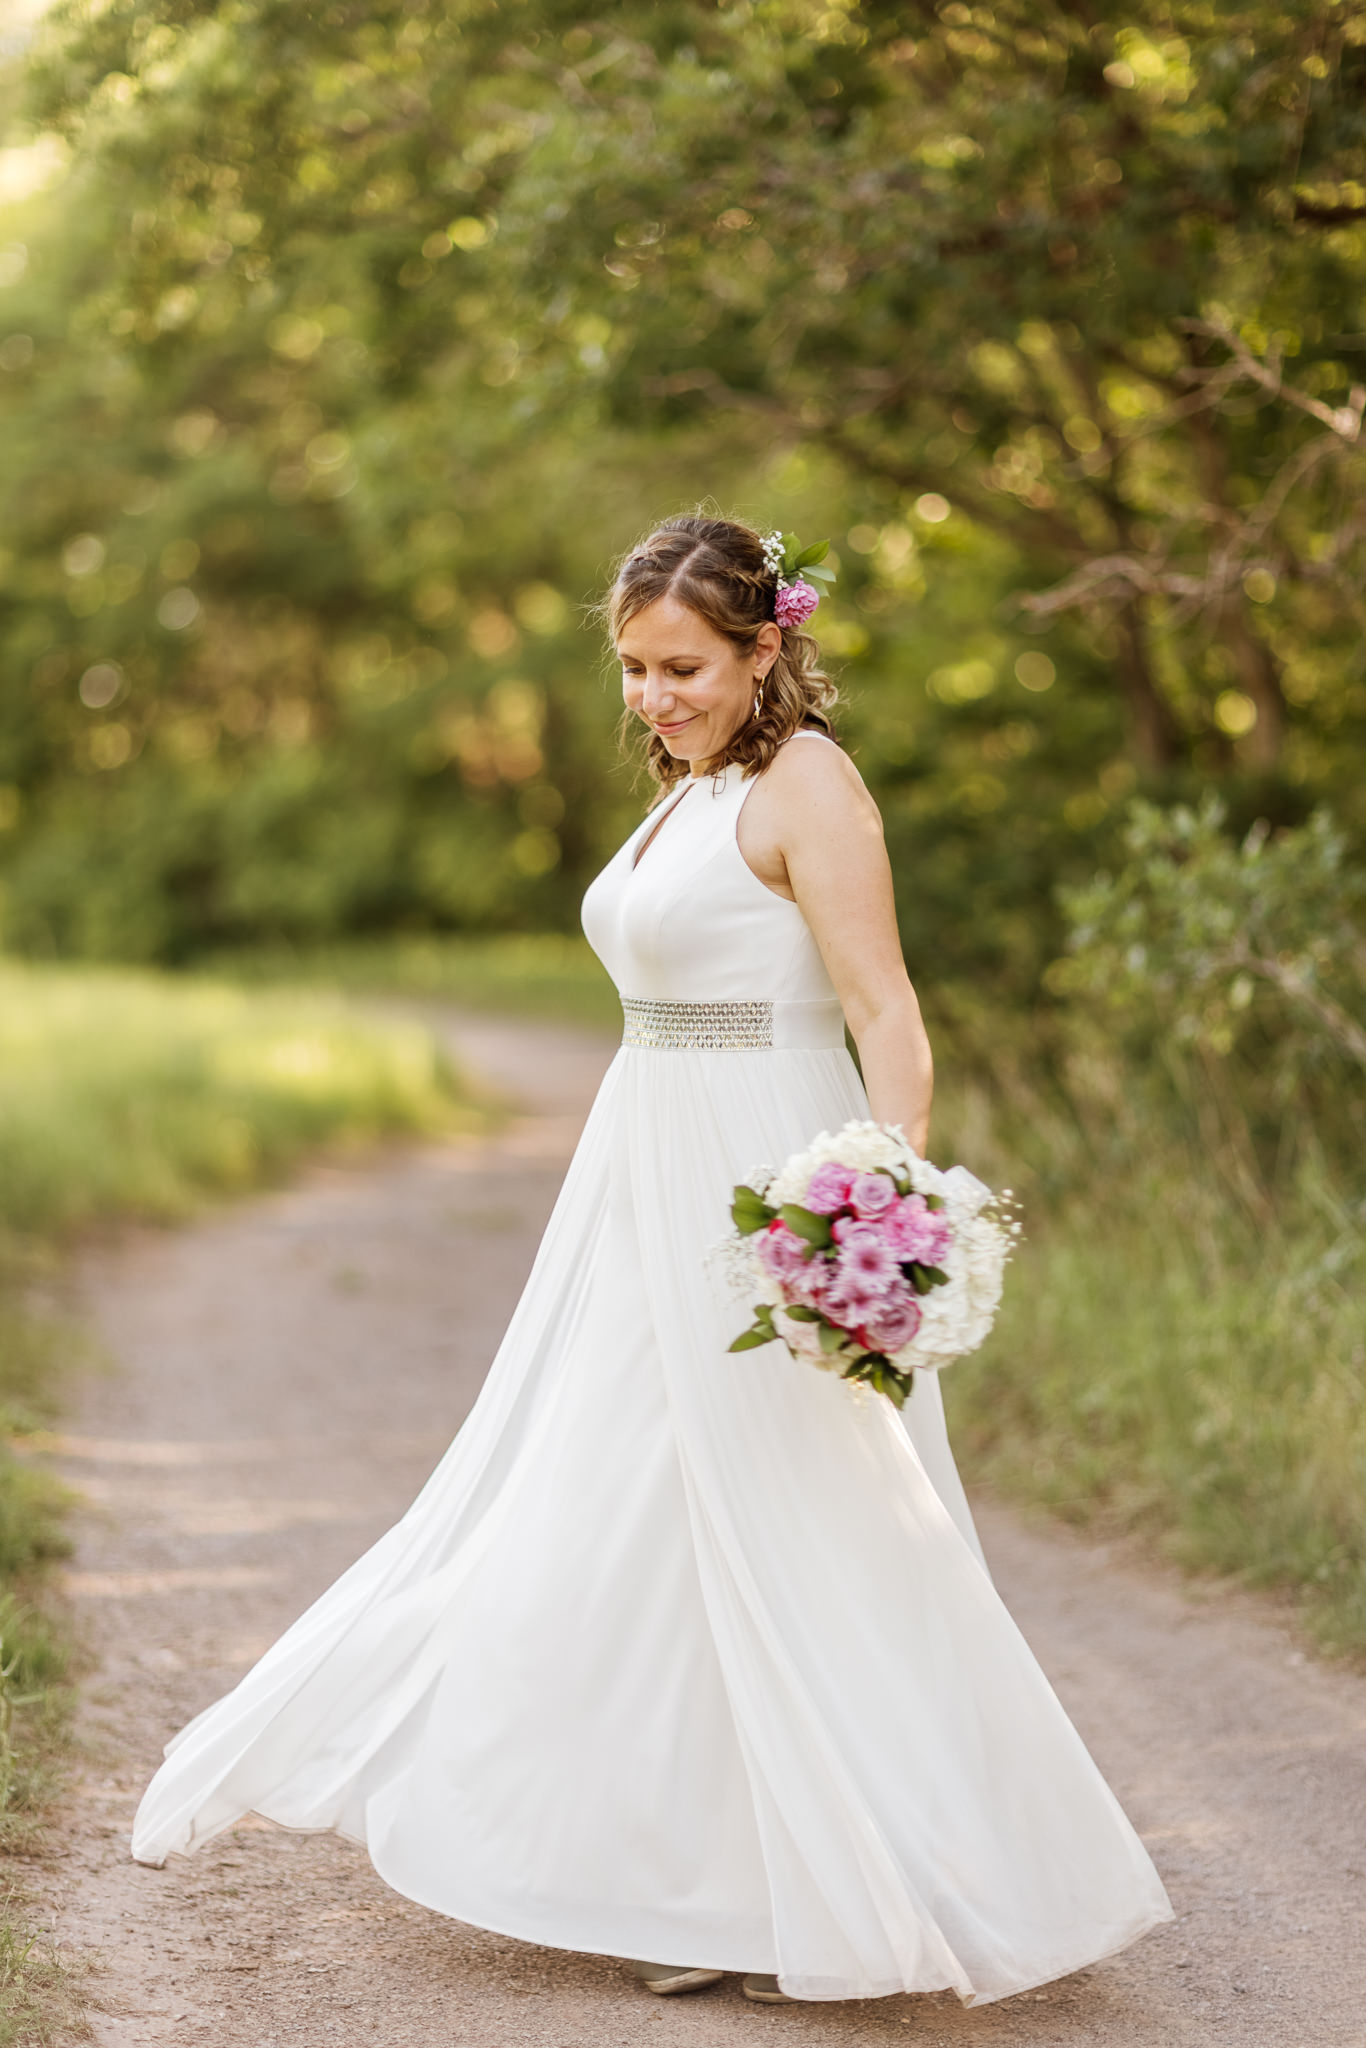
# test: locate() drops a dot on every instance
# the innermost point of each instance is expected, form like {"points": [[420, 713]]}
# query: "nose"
{"points": [[656, 696]]}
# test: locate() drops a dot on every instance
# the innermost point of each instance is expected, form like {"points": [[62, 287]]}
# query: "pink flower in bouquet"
{"points": [[812, 1284], [783, 1253], [865, 1257], [872, 1195], [844, 1300], [915, 1231], [896, 1324], [846, 1307], [795, 603], [829, 1189], [852, 1299]]}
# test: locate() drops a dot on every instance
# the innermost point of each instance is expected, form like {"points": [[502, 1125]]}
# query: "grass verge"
{"points": [[38, 1998], [1172, 1363], [133, 1094]]}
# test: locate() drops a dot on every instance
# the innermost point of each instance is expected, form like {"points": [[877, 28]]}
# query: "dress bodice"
{"points": [[684, 918]]}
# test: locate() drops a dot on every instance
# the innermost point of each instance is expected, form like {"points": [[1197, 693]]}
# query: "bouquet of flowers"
{"points": [[872, 1261]]}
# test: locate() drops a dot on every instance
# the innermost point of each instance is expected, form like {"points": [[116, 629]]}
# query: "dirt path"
{"points": [[289, 1373]]}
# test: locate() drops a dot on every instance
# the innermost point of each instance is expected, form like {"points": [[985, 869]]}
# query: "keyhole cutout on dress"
{"points": [[659, 824]]}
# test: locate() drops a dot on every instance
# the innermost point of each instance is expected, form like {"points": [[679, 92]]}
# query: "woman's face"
{"points": [[688, 682]]}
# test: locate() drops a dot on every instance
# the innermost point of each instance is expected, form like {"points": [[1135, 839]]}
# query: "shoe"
{"points": [[667, 1979], [765, 1991]]}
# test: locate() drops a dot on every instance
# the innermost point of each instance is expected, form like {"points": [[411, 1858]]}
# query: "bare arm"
{"points": [[811, 832]]}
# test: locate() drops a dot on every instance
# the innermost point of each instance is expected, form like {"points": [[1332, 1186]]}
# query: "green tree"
{"points": [[357, 336], [1053, 266]]}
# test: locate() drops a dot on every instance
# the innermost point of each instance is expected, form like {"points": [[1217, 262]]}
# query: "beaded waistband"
{"points": [[702, 1027]]}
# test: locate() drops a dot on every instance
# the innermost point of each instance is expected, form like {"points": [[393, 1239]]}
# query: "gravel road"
{"points": [[285, 1376]]}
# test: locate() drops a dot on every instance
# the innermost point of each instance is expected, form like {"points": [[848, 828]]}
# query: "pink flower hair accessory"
{"points": [[796, 572], [795, 603]]}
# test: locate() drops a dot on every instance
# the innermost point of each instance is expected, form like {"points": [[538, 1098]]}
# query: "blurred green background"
{"points": [[343, 346]]}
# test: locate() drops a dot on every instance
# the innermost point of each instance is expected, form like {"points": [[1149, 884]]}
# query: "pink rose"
{"points": [[795, 603], [829, 1189], [896, 1324], [872, 1195]]}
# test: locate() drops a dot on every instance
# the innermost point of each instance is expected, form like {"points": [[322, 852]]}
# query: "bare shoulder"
{"points": [[814, 776]]}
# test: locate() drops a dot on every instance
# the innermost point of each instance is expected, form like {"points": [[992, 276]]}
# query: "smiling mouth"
{"points": [[665, 730]]}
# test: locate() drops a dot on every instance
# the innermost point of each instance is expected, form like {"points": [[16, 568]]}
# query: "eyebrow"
{"points": [[625, 654]]}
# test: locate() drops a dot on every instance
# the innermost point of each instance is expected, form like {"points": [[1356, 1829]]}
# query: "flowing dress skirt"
{"points": [[681, 1655]]}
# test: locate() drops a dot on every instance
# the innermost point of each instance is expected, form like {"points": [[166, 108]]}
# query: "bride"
{"points": [[684, 1657]]}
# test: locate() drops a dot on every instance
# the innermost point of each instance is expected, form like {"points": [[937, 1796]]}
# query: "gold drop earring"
{"points": [[759, 695]]}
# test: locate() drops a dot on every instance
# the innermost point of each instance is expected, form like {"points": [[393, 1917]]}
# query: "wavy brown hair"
{"points": [[716, 567]]}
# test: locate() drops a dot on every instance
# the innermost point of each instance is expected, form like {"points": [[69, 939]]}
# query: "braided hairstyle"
{"points": [[716, 567]]}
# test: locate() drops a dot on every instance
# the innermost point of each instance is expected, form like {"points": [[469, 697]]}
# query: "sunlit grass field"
{"points": [[139, 1095], [128, 1093]]}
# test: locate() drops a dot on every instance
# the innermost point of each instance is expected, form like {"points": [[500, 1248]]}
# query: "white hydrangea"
{"points": [[957, 1319]]}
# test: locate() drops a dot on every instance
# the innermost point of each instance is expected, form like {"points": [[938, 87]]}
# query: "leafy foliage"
{"points": [[1217, 939], [1242, 967], [362, 335]]}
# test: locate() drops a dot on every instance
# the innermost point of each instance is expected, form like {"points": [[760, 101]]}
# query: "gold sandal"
{"points": [[667, 1979], [765, 1990]]}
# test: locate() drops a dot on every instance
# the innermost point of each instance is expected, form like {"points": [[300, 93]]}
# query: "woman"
{"points": [[679, 1654]]}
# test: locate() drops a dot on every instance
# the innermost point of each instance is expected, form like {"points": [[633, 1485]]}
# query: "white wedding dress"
{"points": [[682, 1655]]}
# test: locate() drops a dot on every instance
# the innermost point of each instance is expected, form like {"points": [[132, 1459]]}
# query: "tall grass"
{"points": [[36, 1994], [137, 1095], [126, 1093], [1182, 1348]]}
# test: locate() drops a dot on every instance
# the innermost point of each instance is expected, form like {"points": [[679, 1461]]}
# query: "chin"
{"points": [[684, 746]]}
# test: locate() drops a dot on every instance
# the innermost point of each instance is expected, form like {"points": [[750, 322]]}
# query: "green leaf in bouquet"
{"points": [[750, 1212], [936, 1275], [800, 1313], [806, 1223], [876, 1370], [832, 1340], [934, 1201], [760, 1331], [751, 1339]]}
